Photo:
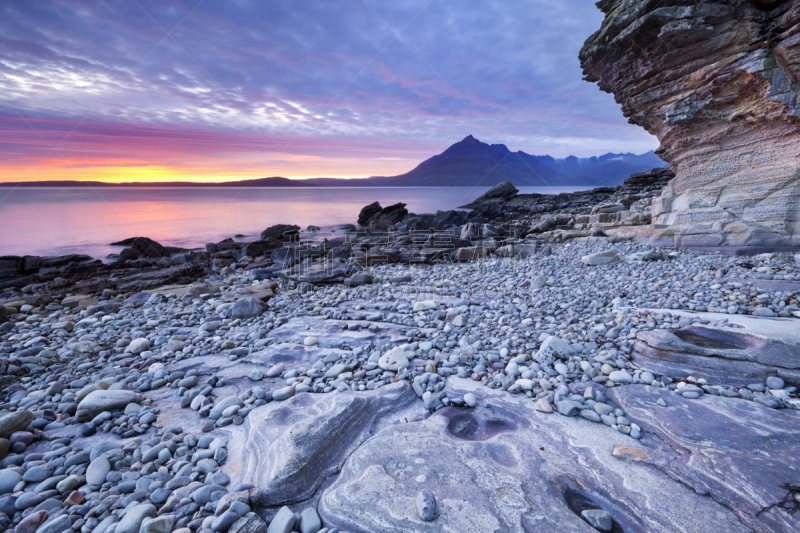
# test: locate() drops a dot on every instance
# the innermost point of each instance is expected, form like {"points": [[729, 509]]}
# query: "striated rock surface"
{"points": [[717, 82], [503, 467], [293, 449]]}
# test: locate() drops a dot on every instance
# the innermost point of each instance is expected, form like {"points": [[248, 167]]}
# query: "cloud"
{"points": [[316, 74]]}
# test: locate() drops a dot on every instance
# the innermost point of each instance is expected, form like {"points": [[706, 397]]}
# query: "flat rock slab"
{"points": [[739, 452], [502, 467], [293, 447], [296, 329], [758, 348]]}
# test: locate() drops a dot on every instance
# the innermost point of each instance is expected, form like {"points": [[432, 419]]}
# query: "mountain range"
{"points": [[467, 163]]}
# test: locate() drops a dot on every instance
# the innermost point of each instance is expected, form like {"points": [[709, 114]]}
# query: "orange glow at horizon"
{"points": [[55, 150]]}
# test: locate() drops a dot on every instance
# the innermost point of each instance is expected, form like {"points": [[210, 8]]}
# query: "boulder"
{"points": [[247, 307], [502, 191], [280, 231], [368, 212]]}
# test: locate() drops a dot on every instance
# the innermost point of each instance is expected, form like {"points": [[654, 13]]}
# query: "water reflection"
{"points": [[55, 221]]}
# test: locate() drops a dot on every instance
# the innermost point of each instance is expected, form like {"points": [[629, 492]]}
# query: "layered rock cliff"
{"points": [[717, 82]]}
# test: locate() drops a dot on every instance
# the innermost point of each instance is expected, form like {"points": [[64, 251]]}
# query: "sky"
{"points": [[214, 90]]}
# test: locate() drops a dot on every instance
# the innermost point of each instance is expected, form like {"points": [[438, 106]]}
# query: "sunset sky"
{"points": [[145, 90]]}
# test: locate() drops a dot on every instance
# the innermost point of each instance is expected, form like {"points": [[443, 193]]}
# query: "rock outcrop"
{"points": [[717, 82]]}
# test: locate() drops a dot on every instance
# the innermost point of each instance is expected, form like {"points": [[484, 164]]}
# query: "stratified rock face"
{"points": [[717, 82]]}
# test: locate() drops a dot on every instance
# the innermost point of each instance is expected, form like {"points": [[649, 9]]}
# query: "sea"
{"points": [[50, 221]]}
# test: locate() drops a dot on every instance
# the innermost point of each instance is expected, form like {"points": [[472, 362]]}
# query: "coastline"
{"points": [[278, 374]]}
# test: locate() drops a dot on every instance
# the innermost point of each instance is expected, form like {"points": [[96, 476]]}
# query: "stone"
{"points": [[394, 359], [104, 400], [9, 480], [551, 349], [502, 191], [620, 376], [97, 471], [280, 231], [598, 519], [283, 522], [309, 521], [647, 55], [161, 524], [247, 307], [361, 278], [139, 345], [13, 422], [132, 521], [249, 523], [600, 258], [569, 408], [543, 406], [31, 523], [426, 505], [282, 394], [774, 383], [59, 524]]}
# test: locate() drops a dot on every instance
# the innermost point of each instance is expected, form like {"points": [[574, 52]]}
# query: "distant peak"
{"points": [[502, 148]]}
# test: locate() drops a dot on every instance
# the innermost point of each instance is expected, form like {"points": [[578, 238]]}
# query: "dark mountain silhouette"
{"points": [[467, 163], [472, 162]]}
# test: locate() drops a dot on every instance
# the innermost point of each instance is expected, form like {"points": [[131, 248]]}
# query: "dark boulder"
{"points": [[280, 231], [445, 219], [368, 212]]}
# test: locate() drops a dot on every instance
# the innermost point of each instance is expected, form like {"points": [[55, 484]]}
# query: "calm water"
{"points": [[56, 221]]}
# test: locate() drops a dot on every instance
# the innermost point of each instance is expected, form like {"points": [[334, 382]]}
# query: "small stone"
{"points": [[620, 376], [569, 408], [249, 523], [394, 359], [470, 400], [310, 341], [426, 505], [598, 519], [309, 521], [134, 517], [543, 405], [97, 471], [283, 522], [283, 394], [774, 383]]}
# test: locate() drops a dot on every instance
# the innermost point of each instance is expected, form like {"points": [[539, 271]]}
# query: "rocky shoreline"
{"points": [[508, 368]]}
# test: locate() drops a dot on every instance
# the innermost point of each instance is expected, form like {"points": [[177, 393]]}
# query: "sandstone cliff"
{"points": [[717, 82]]}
